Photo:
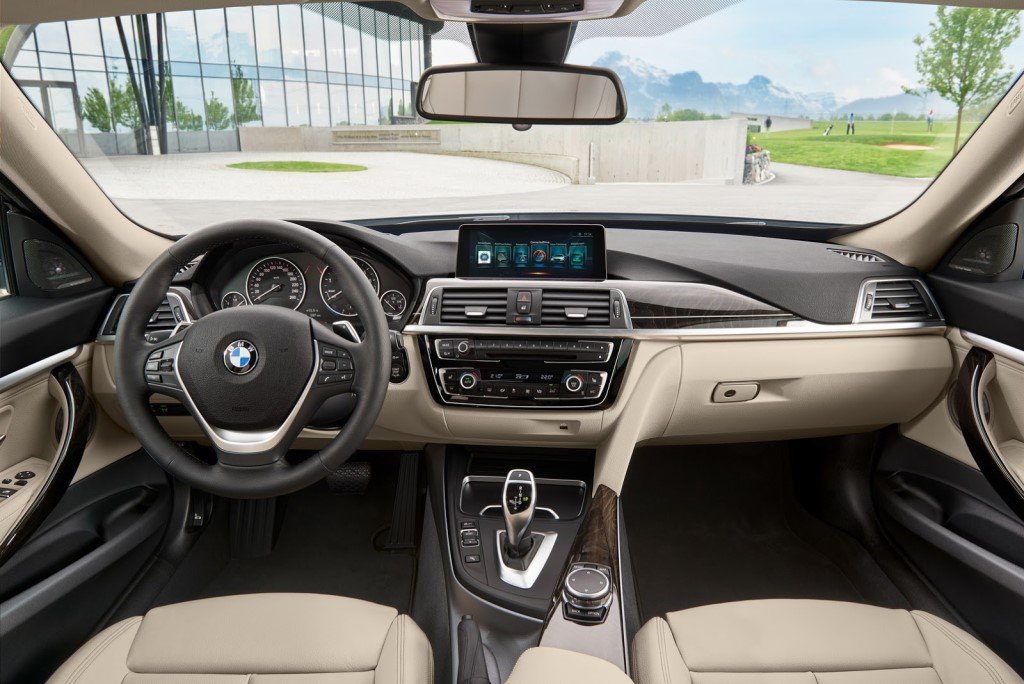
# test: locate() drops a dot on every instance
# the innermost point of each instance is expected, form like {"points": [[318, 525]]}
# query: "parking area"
{"points": [[179, 193]]}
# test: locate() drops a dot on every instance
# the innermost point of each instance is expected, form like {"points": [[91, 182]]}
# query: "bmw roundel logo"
{"points": [[240, 357]]}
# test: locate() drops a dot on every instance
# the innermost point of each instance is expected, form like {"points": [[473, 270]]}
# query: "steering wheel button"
{"points": [[153, 377], [152, 365], [329, 352], [346, 377], [326, 365], [327, 378]]}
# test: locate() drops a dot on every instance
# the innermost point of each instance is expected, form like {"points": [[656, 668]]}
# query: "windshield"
{"points": [[827, 111]]}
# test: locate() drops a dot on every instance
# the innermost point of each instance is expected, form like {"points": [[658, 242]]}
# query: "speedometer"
{"points": [[276, 281], [330, 290]]}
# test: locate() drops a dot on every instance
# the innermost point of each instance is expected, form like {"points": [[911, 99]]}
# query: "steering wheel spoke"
{"points": [[343, 363], [161, 368]]}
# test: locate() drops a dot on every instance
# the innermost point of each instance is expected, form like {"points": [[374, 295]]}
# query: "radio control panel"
{"points": [[525, 372]]}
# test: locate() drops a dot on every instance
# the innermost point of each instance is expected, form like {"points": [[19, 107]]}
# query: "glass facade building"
{"points": [[198, 76]]}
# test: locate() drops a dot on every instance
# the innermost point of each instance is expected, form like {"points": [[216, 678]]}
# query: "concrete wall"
{"points": [[624, 153], [755, 122]]}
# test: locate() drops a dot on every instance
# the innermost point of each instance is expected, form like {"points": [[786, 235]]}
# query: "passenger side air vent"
{"points": [[865, 257], [163, 321], [896, 300], [480, 306], [562, 308]]}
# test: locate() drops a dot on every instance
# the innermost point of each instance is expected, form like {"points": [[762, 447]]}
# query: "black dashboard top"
{"points": [[813, 280]]}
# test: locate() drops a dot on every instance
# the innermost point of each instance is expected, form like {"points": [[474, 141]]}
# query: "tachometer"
{"points": [[276, 281], [332, 294]]}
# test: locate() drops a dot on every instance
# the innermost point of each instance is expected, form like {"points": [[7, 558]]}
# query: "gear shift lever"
{"points": [[518, 500]]}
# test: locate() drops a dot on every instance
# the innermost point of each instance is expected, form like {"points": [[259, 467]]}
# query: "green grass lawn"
{"points": [[298, 166], [866, 150]]}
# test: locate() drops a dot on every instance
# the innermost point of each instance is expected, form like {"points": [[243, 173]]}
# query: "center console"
{"points": [[530, 321], [529, 537]]}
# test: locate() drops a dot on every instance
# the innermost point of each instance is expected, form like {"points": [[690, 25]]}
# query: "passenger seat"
{"points": [[814, 642]]}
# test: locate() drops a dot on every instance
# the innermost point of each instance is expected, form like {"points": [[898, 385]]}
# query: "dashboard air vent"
{"points": [[576, 307], [161, 323], [897, 300], [479, 306], [866, 257]]}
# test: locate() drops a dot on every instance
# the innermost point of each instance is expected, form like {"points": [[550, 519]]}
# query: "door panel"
{"points": [[949, 521], [939, 495], [62, 574]]}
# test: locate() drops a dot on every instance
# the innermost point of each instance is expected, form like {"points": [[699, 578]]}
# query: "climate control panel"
{"points": [[534, 372]]}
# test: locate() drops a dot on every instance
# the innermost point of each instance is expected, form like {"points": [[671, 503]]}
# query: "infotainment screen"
{"points": [[572, 252]]}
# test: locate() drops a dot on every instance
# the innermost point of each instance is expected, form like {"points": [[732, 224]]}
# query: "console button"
{"points": [[472, 558]]}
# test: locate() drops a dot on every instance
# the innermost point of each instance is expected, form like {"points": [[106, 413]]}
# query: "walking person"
{"points": [[931, 119], [768, 125], [851, 126]]}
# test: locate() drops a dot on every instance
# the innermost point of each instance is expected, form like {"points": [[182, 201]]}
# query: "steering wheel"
{"points": [[251, 376]]}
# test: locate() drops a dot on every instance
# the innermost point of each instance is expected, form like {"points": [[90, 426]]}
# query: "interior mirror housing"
{"points": [[521, 95]]}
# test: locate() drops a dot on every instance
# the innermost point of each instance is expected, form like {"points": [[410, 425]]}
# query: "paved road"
{"points": [[179, 193]]}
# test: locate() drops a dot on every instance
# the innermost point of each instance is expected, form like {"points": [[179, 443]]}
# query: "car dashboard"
{"points": [[688, 337]]}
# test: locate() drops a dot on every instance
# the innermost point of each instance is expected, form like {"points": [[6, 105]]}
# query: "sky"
{"points": [[850, 48]]}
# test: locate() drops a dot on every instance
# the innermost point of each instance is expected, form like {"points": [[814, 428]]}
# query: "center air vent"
{"points": [[896, 300], [576, 307], [480, 306]]}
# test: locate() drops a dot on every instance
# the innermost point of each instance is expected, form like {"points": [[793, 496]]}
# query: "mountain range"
{"points": [[649, 87]]}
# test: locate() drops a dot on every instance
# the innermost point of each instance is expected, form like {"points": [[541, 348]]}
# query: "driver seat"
{"points": [[259, 639]]}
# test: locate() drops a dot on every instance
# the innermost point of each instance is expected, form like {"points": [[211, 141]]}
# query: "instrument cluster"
{"points": [[303, 283]]}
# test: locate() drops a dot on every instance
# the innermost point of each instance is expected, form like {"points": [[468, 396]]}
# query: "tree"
{"points": [[124, 107], [218, 116], [961, 59], [246, 109], [96, 110]]}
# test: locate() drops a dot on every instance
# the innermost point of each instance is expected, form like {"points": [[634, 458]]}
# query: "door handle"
{"points": [[977, 372], [69, 389]]}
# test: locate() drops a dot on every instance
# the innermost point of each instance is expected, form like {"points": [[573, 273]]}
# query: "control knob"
{"points": [[462, 347], [574, 382], [587, 587], [468, 380]]}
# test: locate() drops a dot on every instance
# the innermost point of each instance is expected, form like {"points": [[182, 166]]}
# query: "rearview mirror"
{"points": [[521, 95]]}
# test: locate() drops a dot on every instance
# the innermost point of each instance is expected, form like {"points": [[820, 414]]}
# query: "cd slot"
{"points": [[549, 351]]}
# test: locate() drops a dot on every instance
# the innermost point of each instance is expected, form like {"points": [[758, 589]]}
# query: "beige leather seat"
{"points": [[823, 642], [260, 639]]}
